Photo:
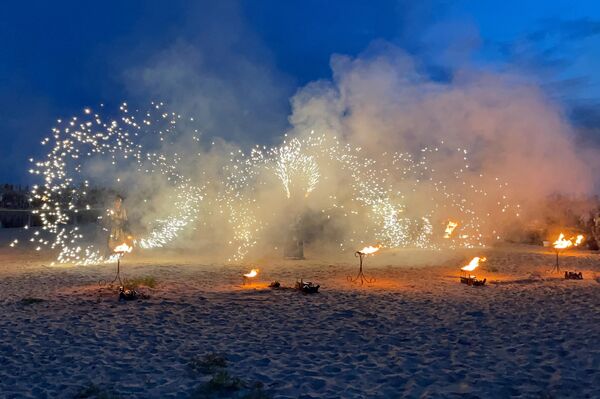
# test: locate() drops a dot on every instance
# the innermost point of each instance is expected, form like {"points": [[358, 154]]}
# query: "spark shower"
{"points": [[181, 188]]}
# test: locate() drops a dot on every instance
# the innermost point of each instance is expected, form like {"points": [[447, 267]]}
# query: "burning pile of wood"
{"points": [[471, 279]]}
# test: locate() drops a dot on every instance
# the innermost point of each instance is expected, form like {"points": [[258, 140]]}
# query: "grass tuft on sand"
{"points": [[223, 384], [93, 391], [31, 300], [207, 364]]}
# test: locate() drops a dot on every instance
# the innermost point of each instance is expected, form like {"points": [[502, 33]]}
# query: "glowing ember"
{"points": [[473, 264], [253, 273], [123, 248], [450, 229], [563, 243], [369, 250]]}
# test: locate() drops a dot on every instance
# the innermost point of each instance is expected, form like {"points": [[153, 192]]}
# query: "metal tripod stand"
{"points": [[118, 275], [361, 275], [556, 266]]}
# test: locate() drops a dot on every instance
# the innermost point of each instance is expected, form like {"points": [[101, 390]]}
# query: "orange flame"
{"points": [[563, 243], [123, 248], [253, 273], [473, 264], [450, 228], [369, 250]]}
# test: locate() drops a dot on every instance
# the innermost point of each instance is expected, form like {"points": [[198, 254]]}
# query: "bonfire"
{"points": [[450, 229]]}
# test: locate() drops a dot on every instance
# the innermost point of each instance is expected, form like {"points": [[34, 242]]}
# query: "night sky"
{"points": [[59, 57]]}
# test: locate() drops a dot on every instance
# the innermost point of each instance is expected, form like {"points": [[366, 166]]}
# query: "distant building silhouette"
{"points": [[14, 197]]}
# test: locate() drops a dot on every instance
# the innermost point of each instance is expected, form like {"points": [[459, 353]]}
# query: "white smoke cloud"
{"points": [[382, 101]]}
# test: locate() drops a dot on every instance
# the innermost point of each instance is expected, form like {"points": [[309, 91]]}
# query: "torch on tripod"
{"points": [[361, 275], [120, 251], [561, 244]]}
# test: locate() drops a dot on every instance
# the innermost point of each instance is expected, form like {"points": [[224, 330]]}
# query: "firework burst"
{"points": [[398, 199], [64, 192]]}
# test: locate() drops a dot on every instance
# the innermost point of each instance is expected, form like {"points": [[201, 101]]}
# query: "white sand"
{"points": [[415, 332]]}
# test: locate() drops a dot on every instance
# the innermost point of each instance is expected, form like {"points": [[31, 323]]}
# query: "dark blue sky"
{"points": [[58, 57]]}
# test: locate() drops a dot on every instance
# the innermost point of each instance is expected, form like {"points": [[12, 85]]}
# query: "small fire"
{"points": [[563, 243], [450, 229], [369, 250], [123, 248], [473, 264], [253, 273]]}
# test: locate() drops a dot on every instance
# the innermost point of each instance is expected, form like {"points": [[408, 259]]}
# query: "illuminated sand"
{"points": [[415, 332]]}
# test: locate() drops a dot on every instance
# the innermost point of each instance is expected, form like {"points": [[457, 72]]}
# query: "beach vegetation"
{"points": [[207, 364], [93, 391], [31, 300]]}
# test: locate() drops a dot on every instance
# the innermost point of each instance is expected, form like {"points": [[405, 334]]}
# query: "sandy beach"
{"points": [[237, 156], [414, 332]]}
